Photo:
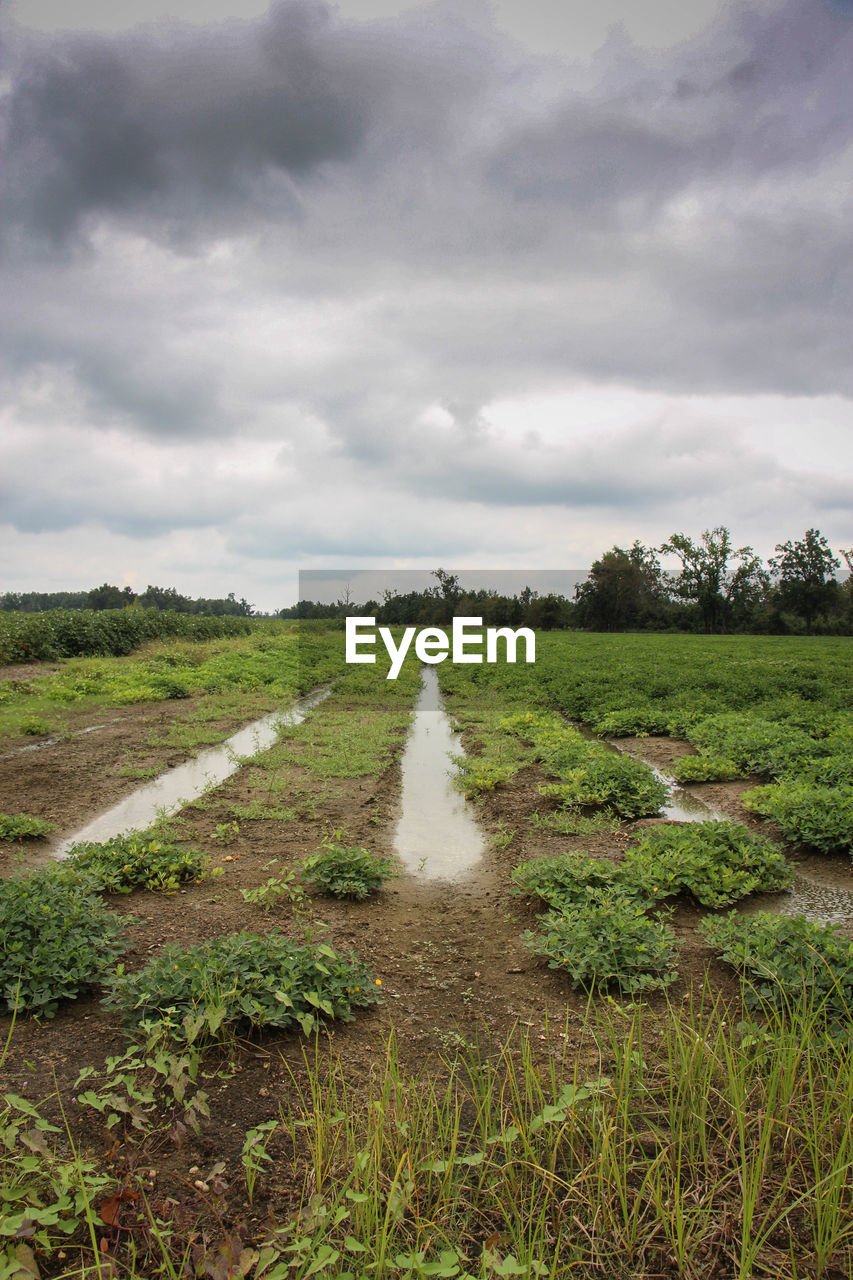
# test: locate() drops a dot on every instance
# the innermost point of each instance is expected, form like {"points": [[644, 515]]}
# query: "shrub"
{"points": [[789, 963], [242, 982], [608, 941], [818, 815], [56, 940], [347, 873], [137, 859], [570, 880], [704, 769], [619, 783], [717, 862], [23, 826]]}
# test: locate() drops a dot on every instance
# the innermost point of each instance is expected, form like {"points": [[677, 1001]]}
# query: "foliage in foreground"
{"points": [[137, 860], [23, 826], [718, 863], [353, 872], [788, 962], [56, 940], [242, 982], [674, 1143]]}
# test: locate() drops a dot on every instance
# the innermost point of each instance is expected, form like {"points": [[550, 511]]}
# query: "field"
{"points": [[570, 1061]]}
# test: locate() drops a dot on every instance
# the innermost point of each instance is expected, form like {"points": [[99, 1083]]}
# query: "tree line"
{"points": [[719, 588], [108, 596]]}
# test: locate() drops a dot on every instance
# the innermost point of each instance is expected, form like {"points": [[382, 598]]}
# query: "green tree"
{"points": [[624, 589], [805, 570], [720, 579]]}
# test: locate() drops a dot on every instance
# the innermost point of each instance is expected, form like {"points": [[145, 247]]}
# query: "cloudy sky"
{"points": [[384, 284]]}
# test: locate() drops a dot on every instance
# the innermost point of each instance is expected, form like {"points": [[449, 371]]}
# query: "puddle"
{"points": [[436, 836], [57, 737], [821, 891], [174, 788], [681, 805]]}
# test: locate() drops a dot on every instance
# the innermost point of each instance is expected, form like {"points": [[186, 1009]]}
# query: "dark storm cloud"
{"points": [[315, 231], [169, 124]]}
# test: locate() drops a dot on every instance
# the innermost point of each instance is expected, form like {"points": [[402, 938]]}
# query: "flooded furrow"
{"points": [[173, 789], [436, 835]]}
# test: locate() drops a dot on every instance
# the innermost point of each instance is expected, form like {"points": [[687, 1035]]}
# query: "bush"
{"points": [[23, 826], [137, 860], [789, 963], [347, 873], [56, 940], [817, 815], [705, 769], [717, 862], [571, 880], [242, 982], [608, 941]]}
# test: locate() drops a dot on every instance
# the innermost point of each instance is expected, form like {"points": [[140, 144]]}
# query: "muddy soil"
{"points": [[448, 954]]}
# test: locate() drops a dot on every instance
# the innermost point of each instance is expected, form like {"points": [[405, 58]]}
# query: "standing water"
{"points": [[436, 834], [176, 787]]}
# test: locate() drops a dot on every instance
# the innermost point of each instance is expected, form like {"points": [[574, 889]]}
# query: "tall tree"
{"points": [[805, 569], [624, 589], [708, 578]]}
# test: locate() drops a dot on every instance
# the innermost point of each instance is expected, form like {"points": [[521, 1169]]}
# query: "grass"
{"points": [[644, 1142]]}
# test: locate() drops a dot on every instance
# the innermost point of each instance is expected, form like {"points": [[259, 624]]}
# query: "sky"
{"points": [[383, 285]]}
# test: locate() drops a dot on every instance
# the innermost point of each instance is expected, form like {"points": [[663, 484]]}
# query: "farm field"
{"points": [[483, 1113]]}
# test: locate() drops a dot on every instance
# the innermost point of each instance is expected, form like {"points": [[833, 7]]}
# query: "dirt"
{"points": [[449, 955]]}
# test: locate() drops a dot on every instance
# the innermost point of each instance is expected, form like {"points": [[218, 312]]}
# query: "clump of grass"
{"points": [[570, 821], [242, 982], [137, 860], [56, 940], [347, 872], [23, 826]]}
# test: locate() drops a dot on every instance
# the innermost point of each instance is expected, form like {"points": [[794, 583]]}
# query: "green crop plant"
{"points": [[137, 860], [23, 826], [57, 940], [821, 816], [607, 940], [704, 769], [241, 982], [347, 871], [572, 880], [718, 863], [789, 964]]}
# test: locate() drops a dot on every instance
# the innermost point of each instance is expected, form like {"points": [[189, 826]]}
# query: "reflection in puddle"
{"points": [[436, 834], [173, 789]]}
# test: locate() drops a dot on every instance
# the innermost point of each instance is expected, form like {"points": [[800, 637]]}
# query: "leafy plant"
{"points": [[353, 872], [242, 982], [704, 769], [572, 880], [717, 862], [821, 816], [56, 940], [609, 940], [790, 963], [23, 826], [137, 860], [272, 890]]}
